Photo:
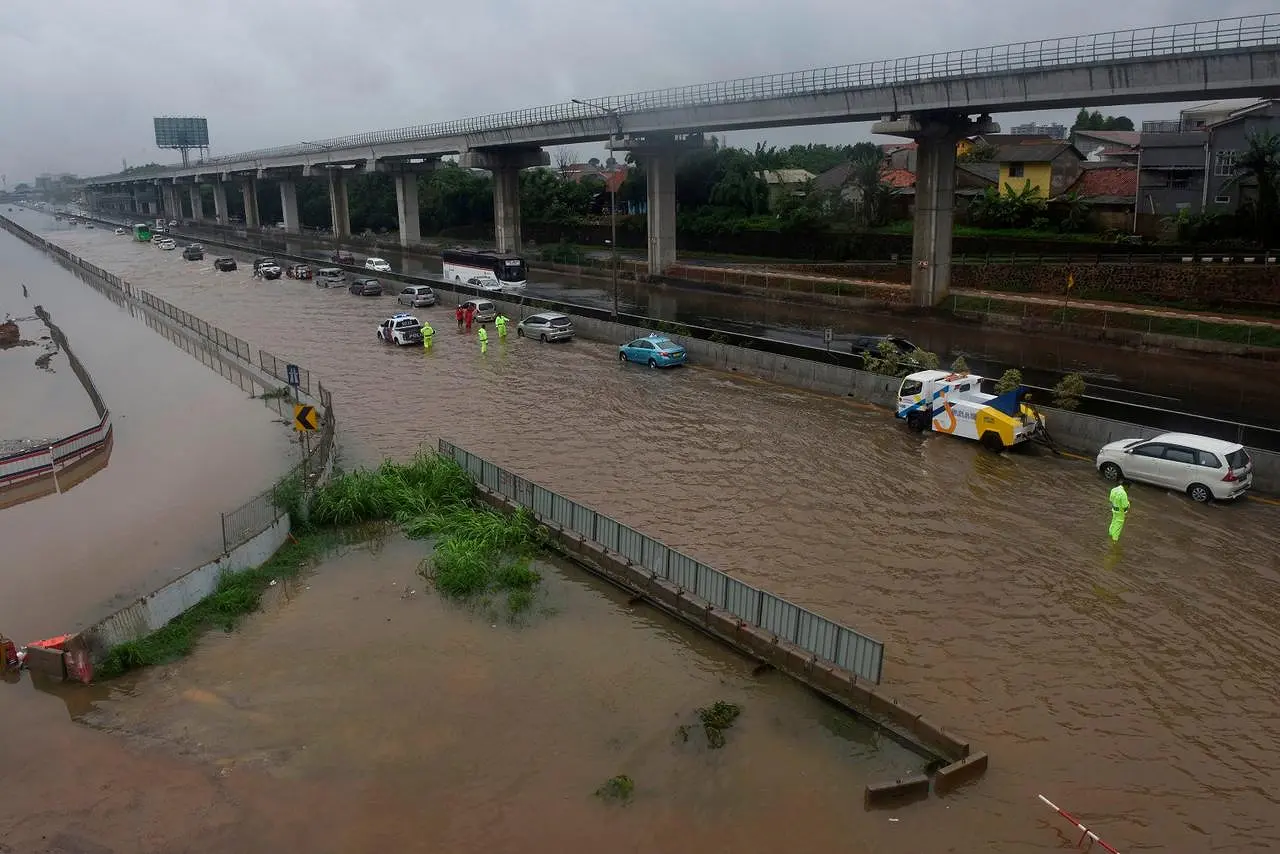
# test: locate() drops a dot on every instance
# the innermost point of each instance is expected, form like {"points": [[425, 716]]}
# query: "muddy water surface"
{"points": [[357, 680], [1131, 685], [188, 446], [40, 397]]}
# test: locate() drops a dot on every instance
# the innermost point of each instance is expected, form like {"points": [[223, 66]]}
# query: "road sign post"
{"points": [[305, 420], [294, 375]]}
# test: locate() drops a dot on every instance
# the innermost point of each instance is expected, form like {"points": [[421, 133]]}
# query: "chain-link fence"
{"points": [[212, 347], [264, 509]]}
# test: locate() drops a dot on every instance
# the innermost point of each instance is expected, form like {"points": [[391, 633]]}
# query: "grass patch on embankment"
{"points": [[237, 595], [478, 552]]}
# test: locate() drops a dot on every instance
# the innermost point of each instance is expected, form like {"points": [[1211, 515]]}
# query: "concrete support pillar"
{"points": [[505, 164], [506, 209], [220, 202], [936, 135], [407, 208], [660, 177], [249, 193], [289, 206], [339, 213], [197, 202], [934, 219]]}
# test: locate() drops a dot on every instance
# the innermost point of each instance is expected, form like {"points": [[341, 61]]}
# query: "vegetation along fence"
{"points": [[830, 641], [262, 510]]}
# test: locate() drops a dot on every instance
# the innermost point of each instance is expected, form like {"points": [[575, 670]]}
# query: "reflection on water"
{"points": [[1148, 707]]}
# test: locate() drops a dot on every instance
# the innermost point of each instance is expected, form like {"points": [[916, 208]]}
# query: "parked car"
{"points": [[401, 329], [363, 286], [484, 284], [224, 265], [173, 223], [656, 351], [342, 256], [330, 277], [869, 345], [194, 252], [417, 296], [485, 310], [167, 243], [267, 268], [378, 264], [548, 326], [1205, 469]]}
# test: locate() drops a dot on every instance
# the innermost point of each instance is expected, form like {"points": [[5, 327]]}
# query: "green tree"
{"points": [[980, 152], [1008, 381], [867, 190], [1009, 209], [1068, 391], [1086, 120]]}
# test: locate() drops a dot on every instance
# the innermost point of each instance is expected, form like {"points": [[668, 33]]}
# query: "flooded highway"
{"points": [[1135, 686], [1226, 388]]}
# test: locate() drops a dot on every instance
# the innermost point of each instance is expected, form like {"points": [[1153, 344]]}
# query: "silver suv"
{"points": [[548, 326], [417, 296]]}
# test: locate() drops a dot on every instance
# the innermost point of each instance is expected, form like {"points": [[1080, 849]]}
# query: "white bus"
{"points": [[492, 270]]}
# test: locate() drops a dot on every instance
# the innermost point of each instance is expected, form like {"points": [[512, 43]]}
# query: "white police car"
{"points": [[401, 329]]}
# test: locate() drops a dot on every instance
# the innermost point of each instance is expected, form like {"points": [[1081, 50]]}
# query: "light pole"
{"points": [[613, 203]]}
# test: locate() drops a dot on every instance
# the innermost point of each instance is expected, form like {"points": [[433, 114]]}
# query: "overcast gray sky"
{"points": [[82, 79]]}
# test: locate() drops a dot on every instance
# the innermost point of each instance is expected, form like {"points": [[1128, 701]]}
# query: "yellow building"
{"points": [[1051, 166]]}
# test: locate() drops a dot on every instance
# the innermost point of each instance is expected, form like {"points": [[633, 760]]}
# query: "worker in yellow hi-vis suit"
{"points": [[484, 340], [501, 322], [1119, 510], [427, 334]]}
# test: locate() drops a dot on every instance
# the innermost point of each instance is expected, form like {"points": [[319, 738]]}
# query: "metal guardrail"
{"points": [[263, 510], [830, 641], [1119, 45]]}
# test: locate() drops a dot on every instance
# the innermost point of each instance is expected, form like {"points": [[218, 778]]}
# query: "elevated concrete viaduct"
{"points": [[929, 98]]}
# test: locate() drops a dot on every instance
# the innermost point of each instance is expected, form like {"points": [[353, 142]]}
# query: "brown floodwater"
{"points": [[187, 446], [40, 396], [452, 728], [1135, 686]]}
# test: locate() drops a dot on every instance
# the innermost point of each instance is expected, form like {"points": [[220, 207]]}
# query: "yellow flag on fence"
{"points": [[1071, 281]]}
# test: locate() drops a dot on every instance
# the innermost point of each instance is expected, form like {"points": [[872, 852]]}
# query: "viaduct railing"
{"points": [[842, 646], [1143, 43]]}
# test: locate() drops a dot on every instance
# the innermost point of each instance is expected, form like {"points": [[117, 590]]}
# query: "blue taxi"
{"points": [[656, 351]]}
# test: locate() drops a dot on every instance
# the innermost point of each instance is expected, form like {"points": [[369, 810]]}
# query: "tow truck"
{"points": [[955, 404]]}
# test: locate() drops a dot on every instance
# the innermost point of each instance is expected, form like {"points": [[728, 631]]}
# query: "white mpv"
{"points": [[1205, 469]]}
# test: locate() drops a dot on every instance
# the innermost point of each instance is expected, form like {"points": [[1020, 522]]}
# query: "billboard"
{"points": [[177, 132]]}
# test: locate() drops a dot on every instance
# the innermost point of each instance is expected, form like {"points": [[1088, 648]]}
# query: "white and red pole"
{"points": [[1086, 832]]}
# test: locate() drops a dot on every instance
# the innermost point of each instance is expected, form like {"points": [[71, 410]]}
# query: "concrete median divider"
{"points": [[806, 664]]}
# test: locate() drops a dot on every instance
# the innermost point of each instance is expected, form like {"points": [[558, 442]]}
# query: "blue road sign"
{"points": [[294, 374]]}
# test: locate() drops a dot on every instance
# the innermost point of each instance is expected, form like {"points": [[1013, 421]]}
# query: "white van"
{"points": [[330, 277]]}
